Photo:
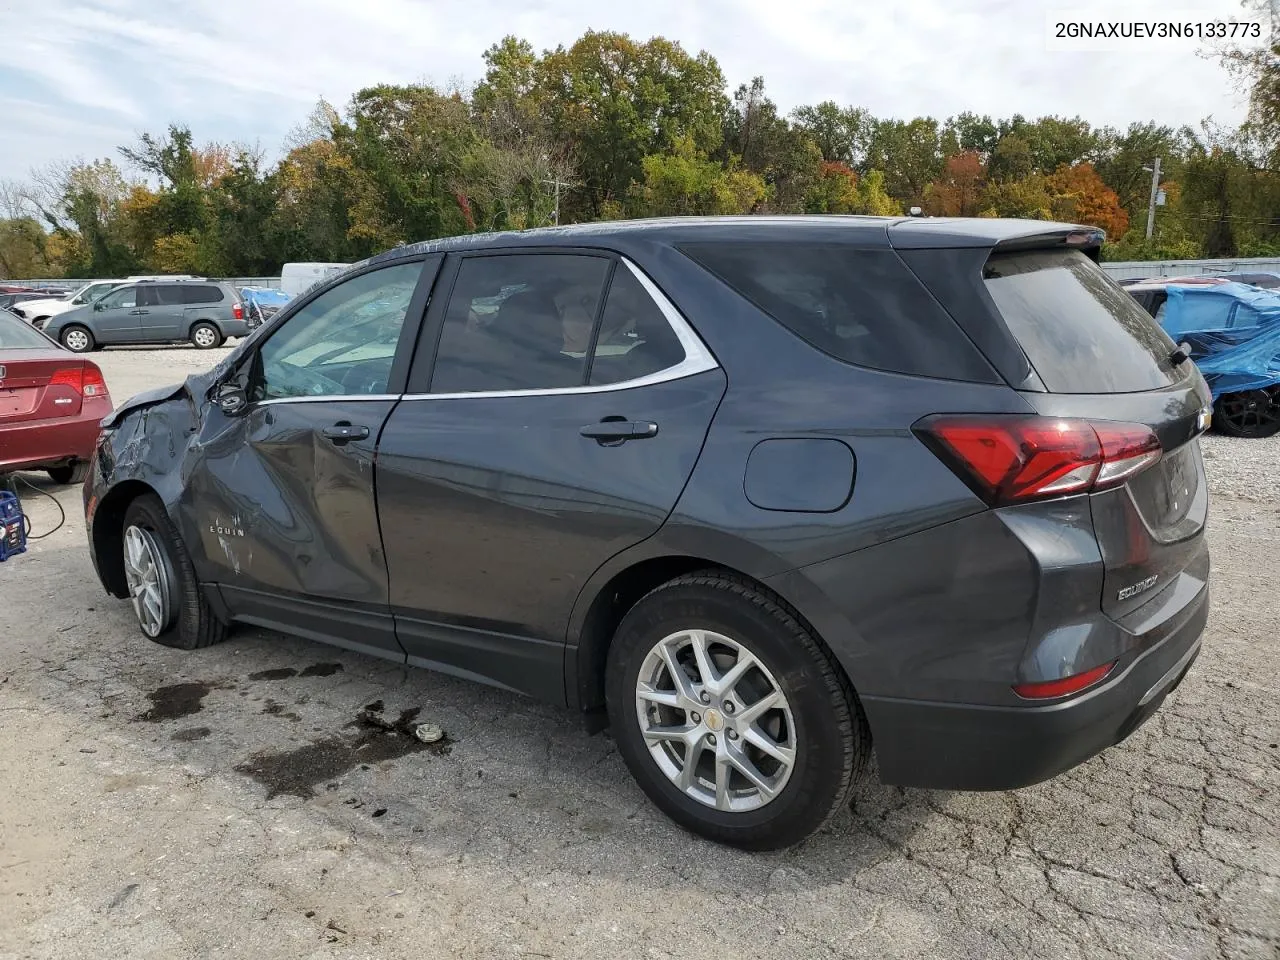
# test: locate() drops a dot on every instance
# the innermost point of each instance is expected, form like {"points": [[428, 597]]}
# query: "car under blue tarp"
{"points": [[1234, 333], [265, 296]]}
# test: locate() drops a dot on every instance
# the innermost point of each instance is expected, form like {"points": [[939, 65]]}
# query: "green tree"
{"points": [[617, 101], [1011, 160], [686, 182], [783, 155], [841, 133], [908, 152]]}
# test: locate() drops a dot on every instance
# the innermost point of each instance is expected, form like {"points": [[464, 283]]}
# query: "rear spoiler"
{"points": [[1088, 240]]}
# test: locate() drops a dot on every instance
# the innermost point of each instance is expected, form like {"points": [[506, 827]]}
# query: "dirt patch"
{"points": [[175, 701], [273, 709], [191, 734], [321, 670], [297, 772], [280, 673]]}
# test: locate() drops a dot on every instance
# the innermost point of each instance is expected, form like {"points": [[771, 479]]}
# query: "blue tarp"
{"points": [[264, 296], [1233, 330]]}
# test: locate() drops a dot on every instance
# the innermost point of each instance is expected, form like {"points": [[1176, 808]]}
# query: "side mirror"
{"points": [[231, 398], [98, 306]]}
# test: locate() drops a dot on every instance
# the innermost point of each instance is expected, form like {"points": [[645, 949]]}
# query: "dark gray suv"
{"points": [[762, 494], [203, 313]]}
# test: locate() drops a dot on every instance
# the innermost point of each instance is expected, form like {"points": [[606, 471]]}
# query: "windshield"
{"points": [[16, 335], [1081, 331]]}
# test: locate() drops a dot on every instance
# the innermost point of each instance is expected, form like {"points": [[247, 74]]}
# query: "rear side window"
{"points": [[519, 322], [200, 293], [861, 306], [1081, 332], [634, 339], [166, 294]]}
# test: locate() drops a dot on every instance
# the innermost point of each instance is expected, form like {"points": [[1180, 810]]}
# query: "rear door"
{"points": [[565, 411], [163, 317], [1100, 356]]}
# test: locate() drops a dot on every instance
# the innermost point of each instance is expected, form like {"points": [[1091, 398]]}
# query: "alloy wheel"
{"points": [[204, 337], [715, 721], [147, 574], [77, 340], [1251, 412]]}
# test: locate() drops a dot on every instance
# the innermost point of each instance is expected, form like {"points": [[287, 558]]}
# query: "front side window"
{"points": [[519, 322], [128, 297], [342, 343]]}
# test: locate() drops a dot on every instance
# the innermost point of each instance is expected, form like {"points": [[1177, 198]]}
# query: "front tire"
{"points": [[166, 598], [77, 339], [72, 473], [205, 336], [731, 715]]}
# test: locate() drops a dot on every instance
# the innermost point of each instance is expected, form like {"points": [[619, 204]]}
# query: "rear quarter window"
{"points": [[864, 307], [1080, 330], [200, 293]]}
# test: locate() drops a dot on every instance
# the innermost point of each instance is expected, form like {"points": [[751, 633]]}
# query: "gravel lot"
{"points": [[226, 803]]}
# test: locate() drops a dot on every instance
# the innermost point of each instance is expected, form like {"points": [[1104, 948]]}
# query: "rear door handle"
{"points": [[343, 432], [138, 313], [619, 431]]}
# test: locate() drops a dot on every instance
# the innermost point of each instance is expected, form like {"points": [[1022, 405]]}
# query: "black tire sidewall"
{"points": [[185, 629], [1228, 429], [821, 776]]}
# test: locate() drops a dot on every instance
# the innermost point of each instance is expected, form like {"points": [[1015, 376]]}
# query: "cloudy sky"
{"points": [[80, 77]]}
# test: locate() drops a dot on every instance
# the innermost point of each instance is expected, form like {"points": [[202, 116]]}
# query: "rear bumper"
{"points": [[957, 746], [49, 443], [234, 328]]}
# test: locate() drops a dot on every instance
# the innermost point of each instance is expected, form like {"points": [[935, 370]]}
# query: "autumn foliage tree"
{"points": [[959, 191], [1080, 196]]}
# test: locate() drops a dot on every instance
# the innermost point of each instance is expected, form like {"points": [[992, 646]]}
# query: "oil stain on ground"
{"points": [[280, 673], [177, 700], [321, 670], [297, 772]]}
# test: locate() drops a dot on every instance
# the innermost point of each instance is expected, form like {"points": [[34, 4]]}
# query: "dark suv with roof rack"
{"points": [[763, 494]]}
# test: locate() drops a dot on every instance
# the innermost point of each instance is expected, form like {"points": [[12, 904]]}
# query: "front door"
{"points": [[282, 501], [566, 410], [117, 317]]}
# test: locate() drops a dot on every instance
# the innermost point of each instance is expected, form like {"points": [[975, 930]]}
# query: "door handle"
{"points": [[138, 313], [343, 432], [613, 432]]}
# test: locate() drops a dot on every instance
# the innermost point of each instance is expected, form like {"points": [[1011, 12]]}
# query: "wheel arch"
{"points": [[595, 620], [107, 532]]}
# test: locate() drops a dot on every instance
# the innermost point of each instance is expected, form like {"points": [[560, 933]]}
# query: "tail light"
{"points": [[86, 380], [1052, 689], [94, 383], [237, 311], [1012, 459]]}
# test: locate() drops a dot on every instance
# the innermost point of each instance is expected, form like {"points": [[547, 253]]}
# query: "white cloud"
{"points": [[250, 69]]}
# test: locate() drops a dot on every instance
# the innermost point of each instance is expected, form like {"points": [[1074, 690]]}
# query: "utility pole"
{"points": [[1155, 189], [557, 184]]}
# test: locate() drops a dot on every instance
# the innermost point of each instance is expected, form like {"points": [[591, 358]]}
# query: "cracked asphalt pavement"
{"points": [[265, 798]]}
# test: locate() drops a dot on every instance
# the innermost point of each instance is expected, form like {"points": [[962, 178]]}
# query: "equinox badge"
{"points": [[1142, 586]]}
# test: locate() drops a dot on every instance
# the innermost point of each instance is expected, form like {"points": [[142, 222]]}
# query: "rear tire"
{"points": [[73, 473], [77, 339], [1250, 414], [158, 569], [809, 749], [205, 336]]}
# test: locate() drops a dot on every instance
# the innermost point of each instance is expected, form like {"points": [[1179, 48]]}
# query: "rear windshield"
{"points": [[16, 335], [860, 306], [1081, 332]]}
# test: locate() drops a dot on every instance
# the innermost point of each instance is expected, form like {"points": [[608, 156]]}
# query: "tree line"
{"points": [[611, 127]]}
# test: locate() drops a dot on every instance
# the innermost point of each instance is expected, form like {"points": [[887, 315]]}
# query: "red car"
{"points": [[51, 402]]}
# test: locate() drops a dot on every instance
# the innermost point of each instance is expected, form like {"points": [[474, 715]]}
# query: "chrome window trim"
{"points": [[697, 358], [330, 398]]}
